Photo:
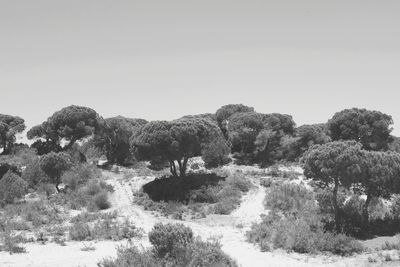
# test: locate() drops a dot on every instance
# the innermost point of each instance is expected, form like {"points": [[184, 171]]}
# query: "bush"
{"points": [[12, 187], [10, 242], [79, 175], [104, 229], [131, 256], [178, 188], [288, 198], [101, 201], [34, 175], [170, 238], [173, 245], [302, 234], [80, 231]]}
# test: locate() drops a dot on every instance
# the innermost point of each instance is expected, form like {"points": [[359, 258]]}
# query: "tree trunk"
{"points": [[335, 206], [172, 168], [365, 214], [182, 167]]}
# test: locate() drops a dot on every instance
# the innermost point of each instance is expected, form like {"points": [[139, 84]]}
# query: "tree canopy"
{"points": [[258, 136], [9, 127], [71, 123], [225, 112], [176, 140], [305, 137], [113, 137], [371, 128]]}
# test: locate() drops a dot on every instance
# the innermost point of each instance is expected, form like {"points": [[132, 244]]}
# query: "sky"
{"points": [[160, 60]]}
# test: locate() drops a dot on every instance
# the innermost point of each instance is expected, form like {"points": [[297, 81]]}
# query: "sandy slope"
{"points": [[229, 228]]}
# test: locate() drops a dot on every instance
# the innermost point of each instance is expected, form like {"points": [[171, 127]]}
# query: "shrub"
{"points": [[11, 187], [10, 242], [34, 175], [80, 231], [173, 245], [79, 175], [303, 235], [208, 253], [104, 229], [169, 238], [101, 201], [129, 256], [288, 198], [38, 213]]}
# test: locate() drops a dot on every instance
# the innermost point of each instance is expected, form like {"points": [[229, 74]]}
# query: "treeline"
{"points": [[251, 137]]}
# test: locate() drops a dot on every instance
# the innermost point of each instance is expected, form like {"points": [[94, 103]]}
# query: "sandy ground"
{"points": [[230, 229]]}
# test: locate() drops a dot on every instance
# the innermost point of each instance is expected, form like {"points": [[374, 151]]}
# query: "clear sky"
{"points": [[164, 59]]}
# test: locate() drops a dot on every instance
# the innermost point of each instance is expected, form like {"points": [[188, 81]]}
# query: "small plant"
{"points": [[88, 247], [10, 242], [59, 240]]}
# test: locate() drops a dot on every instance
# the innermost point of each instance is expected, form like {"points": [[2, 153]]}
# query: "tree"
{"points": [[332, 165], [11, 187], [9, 127], [258, 136], [47, 138], [174, 141], [114, 137], [370, 128], [54, 165], [380, 172], [71, 123], [225, 112], [305, 137]]}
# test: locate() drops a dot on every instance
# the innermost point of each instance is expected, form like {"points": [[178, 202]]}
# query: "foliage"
{"points": [[216, 154], [332, 165], [257, 137], [12, 187], [79, 175], [7, 167], [301, 231], [113, 137], [173, 245], [370, 128], [71, 123], [9, 127], [54, 165], [225, 112], [380, 172], [10, 242], [288, 198], [173, 141], [34, 175], [105, 229], [305, 137], [177, 189], [170, 238]]}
